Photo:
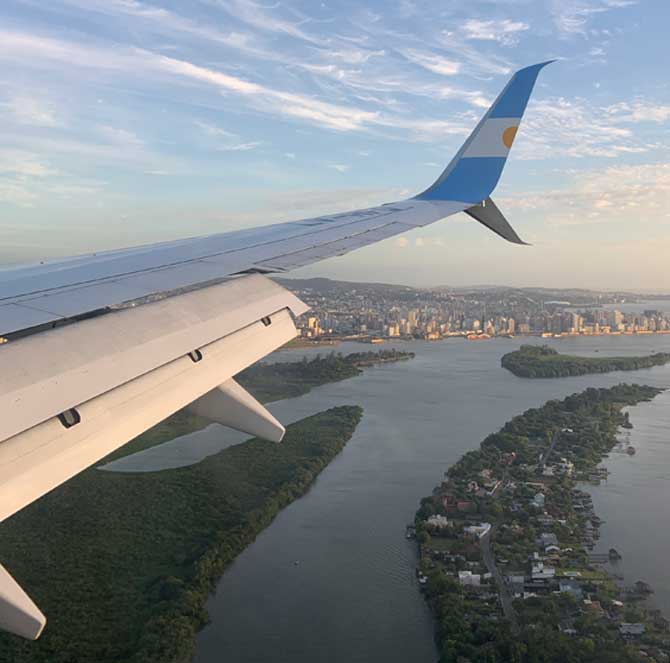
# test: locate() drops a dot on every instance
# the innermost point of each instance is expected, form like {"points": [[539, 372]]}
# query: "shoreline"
{"points": [[606, 495], [300, 343], [476, 567], [542, 362]]}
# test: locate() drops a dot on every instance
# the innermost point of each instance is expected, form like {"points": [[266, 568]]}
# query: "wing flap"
{"points": [[45, 374], [44, 456], [18, 614], [231, 405]]}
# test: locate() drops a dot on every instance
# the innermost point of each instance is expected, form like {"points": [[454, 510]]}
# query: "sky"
{"points": [[124, 122]]}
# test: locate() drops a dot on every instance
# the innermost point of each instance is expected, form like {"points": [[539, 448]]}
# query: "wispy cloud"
{"points": [[640, 111], [121, 137], [263, 98], [572, 17], [27, 164], [264, 19], [559, 127], [212, 130], [29, 110], [339, 167], [162, 20], [433, 62], [618, 193], [335, 116], [505, 32], [225, 141]]}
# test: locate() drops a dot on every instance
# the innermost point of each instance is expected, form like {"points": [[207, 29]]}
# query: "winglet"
{"points": [[490, 216], [474, 172]]}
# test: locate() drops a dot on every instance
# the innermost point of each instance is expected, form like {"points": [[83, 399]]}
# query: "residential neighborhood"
{"points": [[507, 541]]}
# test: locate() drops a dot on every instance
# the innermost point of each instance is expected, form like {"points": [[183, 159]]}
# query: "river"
{"points": [[332, 579]]}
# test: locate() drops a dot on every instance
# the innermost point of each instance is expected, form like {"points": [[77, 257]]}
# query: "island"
{"points": [[541, 361], [506, 545], [270, 382]]}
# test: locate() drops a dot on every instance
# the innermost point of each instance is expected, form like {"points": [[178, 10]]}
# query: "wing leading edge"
{"points": [[72, 393]]}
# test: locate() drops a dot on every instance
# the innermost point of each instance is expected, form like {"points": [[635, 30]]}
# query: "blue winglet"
{"points": [[474, 172]]}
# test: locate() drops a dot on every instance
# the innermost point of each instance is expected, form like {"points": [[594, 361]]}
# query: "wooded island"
{"points": [[541, 361]]}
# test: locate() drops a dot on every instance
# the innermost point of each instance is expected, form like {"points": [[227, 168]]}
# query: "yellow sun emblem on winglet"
{"points": [[508, 136]]}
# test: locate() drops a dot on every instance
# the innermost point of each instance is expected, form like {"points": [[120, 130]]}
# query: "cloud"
{"points": [[505, 32], [225, 141], [258, 17], [31, 111], [555, 127], [240, 147], [354, 56], [638, 194], [120, 136], [213, 130], [334, 116], [167, 21], [26, 176], [341, 116], [25, 164], [16, 193], [639, 111], [433, 62], [339, 167], [572, 17], [263, 98]]}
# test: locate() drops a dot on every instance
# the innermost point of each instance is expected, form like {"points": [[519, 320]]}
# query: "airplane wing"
{"points": [[96, 349]]}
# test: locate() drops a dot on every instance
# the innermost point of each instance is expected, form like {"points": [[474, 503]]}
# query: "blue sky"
{"points": [[128, 121]]}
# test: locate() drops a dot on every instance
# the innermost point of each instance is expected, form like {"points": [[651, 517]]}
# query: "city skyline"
{"points": [[341, 310], [128, 122]]}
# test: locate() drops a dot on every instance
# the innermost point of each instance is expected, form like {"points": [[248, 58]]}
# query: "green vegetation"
{"points": [[122, 564], [269, 382], [541, 361], [523, 482]]}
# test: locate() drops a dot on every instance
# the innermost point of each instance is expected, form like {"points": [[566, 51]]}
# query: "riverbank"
{"points": [[300, 342], [123, 564], [541, 361], [504, 544]]}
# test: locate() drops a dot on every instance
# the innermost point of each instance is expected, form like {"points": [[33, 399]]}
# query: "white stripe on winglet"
{"points": [[489, 139]]}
